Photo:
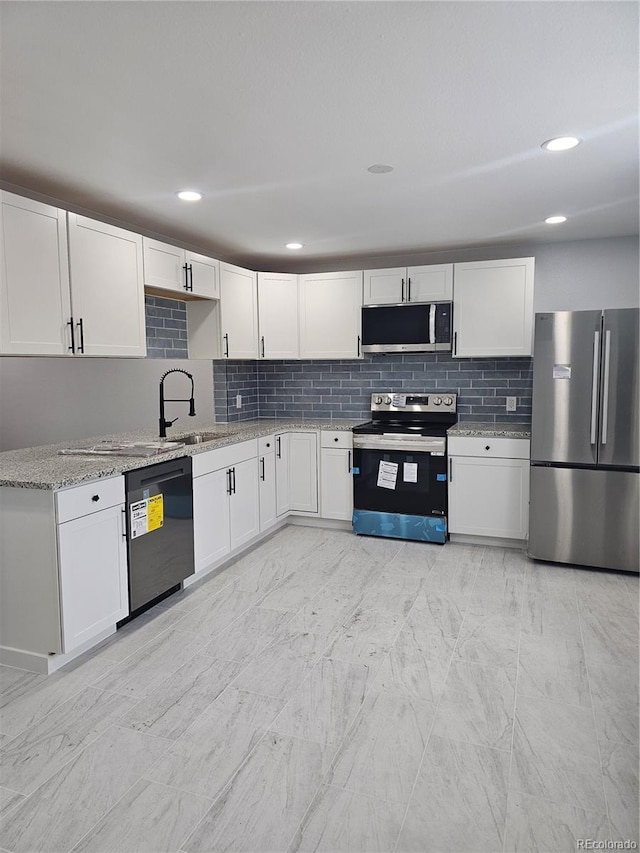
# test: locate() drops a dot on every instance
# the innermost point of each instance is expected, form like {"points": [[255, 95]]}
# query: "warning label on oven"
{"points": [[410, 472], [146, 515], [387, 475]]}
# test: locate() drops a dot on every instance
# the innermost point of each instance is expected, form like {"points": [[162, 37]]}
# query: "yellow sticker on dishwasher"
{"points": [[155, 513]]}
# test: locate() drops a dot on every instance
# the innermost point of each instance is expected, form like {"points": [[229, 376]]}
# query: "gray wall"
{"points": [[47, 400]]}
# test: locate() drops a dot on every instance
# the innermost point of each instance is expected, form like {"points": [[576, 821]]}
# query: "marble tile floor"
{"points": [[343, 694]]}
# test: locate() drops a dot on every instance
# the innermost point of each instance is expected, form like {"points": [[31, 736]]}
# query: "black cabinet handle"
{"points": [[262, 340], [349, 463], [358, 345], [262, 469], [402, 290], [124, 524], [451, 470], [268, 444], [279, 446], [228, 481], [73, 341], [455, 343], [408, 290], [487, 447], [226, 345], [95, 498], [233, 480], [190, 278], [80, 325], [186, 276]]}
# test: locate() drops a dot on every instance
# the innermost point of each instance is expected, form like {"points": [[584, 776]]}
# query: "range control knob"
{"points": [[447, 401], [377, 400], [436, 401], [387, 400]]}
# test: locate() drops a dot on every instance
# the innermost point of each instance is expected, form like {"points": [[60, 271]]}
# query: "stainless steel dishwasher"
{"points": [[159, 530]]}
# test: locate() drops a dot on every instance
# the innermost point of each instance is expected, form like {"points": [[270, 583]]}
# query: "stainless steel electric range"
{"points": [[400, 466]]}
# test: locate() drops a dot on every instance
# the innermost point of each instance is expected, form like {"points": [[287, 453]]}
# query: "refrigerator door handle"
{"points": [[605, 386], [594, 386]]}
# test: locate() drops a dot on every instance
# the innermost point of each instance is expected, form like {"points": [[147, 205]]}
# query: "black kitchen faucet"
{"points": [[164, 423]]}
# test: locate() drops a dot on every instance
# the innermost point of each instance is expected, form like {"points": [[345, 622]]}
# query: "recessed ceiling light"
{"points": [[379, 169], [561, 143], [293, 245], [189, 195], [555, 220]]}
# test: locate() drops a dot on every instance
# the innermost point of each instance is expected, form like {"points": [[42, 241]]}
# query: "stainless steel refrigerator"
{"points": [[584, 439]]}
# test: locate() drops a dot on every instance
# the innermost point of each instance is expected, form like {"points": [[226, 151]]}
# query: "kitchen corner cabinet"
{"points": [[63, 567], [330, 315], [238, 312], [282, 474], [489, 487], [267, 481], [278, 315], [493, 308], [178, 271], [431, 283], [336, 478], [107, 290], [35, 301], [225, 501]]}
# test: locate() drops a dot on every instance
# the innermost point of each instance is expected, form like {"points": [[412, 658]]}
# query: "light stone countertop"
{"points": [[496, 430], [45, 468]]}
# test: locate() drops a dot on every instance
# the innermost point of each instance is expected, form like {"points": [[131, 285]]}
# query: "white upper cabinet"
{"points": [[172, 269], [432, 283], [330, 314], [278, 315], [107, 290], [493, 308], [238, 312], [35, 304], [203, 274]]}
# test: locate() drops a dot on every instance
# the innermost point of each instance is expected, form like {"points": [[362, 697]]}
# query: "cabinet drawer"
{"points": [[336, 438], [499, 448], [83, 500], [223, 457], [266, 444]]}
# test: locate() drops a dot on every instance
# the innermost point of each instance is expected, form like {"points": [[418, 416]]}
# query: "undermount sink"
{"points": [[202, 437]]}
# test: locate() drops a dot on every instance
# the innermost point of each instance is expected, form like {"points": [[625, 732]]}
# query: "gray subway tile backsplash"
{"points": [[342, 389], [166, 321]]}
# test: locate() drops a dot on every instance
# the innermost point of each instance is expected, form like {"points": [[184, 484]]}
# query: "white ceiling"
{"points": [[274, 110]]}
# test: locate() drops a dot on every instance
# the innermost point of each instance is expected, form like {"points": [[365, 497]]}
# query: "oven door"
{"points": [[400, 487]]}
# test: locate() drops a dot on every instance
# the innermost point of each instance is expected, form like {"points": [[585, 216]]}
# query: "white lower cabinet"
{"points": [[336, 479], [303, 472], [225, 501], [282, 473], [267, 481], [93, 575], [489, 487]]}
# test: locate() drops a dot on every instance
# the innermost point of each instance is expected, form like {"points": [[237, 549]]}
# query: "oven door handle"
{"points": [[414, 445]]}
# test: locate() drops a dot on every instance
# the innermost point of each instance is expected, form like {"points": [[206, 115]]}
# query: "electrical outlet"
{"points": [[239, 401], [511, 404]]}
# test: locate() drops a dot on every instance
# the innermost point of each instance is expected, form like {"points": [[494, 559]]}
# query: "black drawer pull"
{"points": [[487, 447], [95, 498]]}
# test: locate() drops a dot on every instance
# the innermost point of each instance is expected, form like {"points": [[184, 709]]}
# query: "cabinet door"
{"points": [[303, 472], [163, 266], [489, 497], [35, 306], [211, 533], [267, 474], [383, 287], [493, 308], [244, 503], [107, 288], [336, 483], [203, 275], [330, 318], [278, 315], [239, 312], [282, 474], [432, 283], [93, 575]]}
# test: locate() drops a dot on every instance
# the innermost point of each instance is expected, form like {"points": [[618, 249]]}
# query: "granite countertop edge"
{"points": [[494, 430], [45, 468]]}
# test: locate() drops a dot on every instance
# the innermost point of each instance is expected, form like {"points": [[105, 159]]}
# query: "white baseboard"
{"points": [[46, 664], [466, 539]]}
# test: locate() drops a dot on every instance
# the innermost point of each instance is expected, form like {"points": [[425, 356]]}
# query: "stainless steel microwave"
{"points": [[407, 327]]}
